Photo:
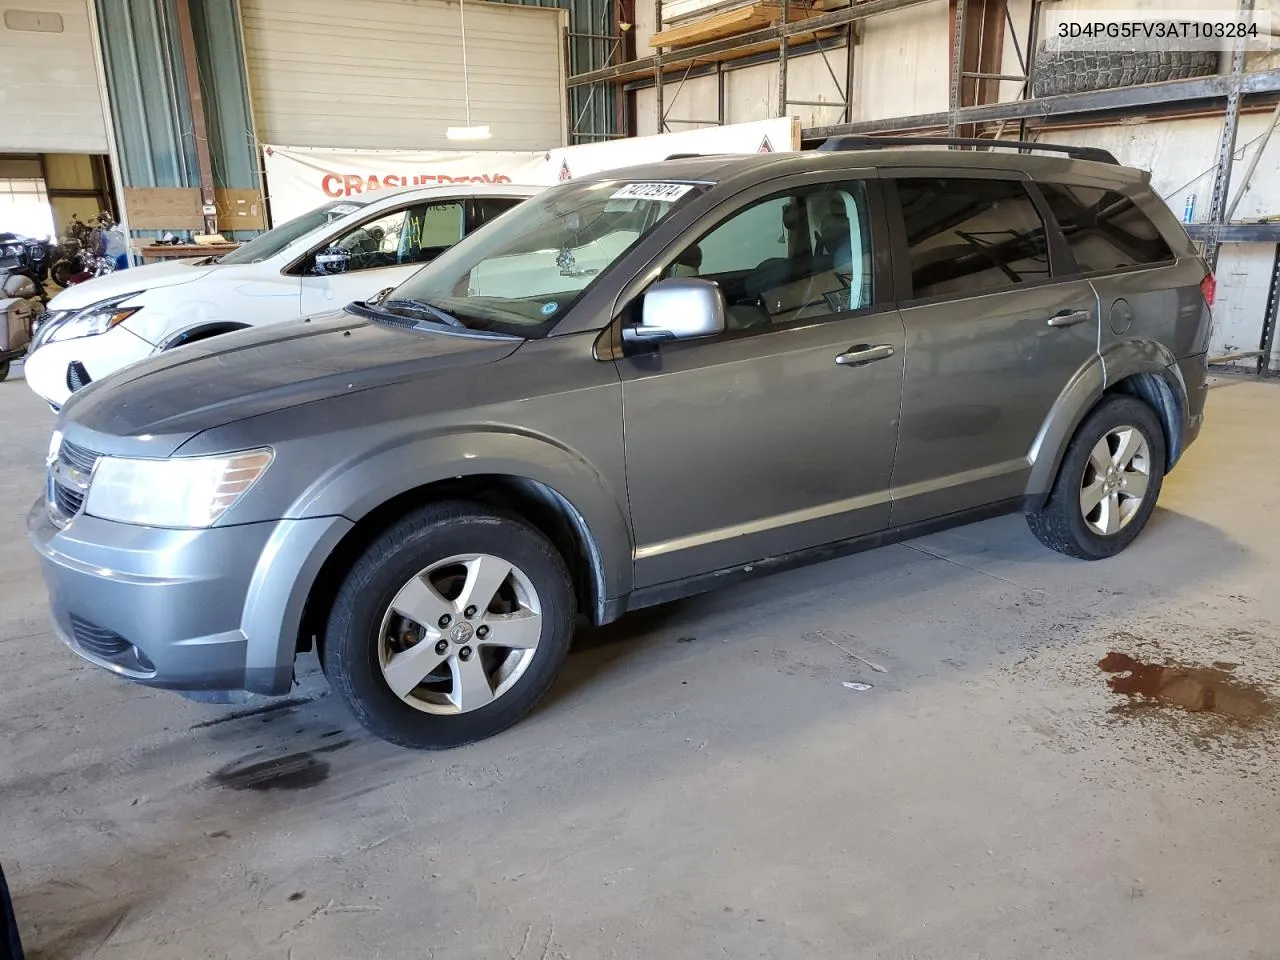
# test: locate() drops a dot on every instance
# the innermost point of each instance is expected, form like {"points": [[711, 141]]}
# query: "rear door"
{"points": [[996, 327], [778, 435]]}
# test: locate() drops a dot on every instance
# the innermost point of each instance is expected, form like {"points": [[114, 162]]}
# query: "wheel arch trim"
{"points": [[200, 331], [1143, 363]]}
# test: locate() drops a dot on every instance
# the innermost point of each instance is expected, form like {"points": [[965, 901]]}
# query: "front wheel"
{"points": [[1108, 482], [62, 272], [450, 626]]}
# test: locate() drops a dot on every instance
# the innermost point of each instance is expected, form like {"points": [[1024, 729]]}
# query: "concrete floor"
{"points": [[701, 783]]}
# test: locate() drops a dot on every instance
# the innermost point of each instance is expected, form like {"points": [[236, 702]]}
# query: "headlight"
{"points": [[95, 319], [182, 492]]}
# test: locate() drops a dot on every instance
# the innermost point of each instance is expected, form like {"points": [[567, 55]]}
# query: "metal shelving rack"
{"points": [[1230, 91]]}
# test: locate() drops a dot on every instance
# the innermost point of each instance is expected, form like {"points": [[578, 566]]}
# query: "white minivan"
{"points": [[320, 261]]}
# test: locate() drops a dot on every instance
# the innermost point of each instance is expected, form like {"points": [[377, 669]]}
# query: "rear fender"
{"points": [[1120, 361]]}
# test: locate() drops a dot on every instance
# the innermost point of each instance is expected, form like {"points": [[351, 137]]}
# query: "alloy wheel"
{"points": [[460, 634], [1115, 480]]}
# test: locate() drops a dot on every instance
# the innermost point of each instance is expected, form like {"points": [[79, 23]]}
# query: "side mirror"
{"points": [[332, 260], [679, 308]]}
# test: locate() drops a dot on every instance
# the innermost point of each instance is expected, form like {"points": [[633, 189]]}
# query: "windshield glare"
{"points": [[521, 275], [273, 241]]}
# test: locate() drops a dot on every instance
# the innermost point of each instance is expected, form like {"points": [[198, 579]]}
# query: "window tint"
{"points": [[1105, 230], [411, 235], [484, 209], [971, 236], [802, 255]]}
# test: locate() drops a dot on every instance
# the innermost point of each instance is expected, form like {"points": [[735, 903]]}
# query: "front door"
{"points": [[778, 435], [992, 341], [384, 252]]}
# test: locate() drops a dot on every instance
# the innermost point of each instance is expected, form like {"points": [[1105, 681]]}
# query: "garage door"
{"points": [[387, 74], [52, 100]]}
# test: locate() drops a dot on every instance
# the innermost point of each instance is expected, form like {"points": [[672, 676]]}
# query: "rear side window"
{"points": [[966, 237], [1104, 229]]}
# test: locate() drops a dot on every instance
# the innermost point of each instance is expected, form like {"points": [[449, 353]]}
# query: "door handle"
{"points": [[1070, 318], [863, 353]]}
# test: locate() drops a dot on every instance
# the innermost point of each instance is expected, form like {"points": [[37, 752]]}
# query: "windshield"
{"points": [[523, 273], [276, 239]]}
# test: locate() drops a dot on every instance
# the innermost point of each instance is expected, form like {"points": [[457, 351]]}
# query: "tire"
{"points": [[1063, 69], [1061, 523], [365, 638], [4, 370], [62, 272]]}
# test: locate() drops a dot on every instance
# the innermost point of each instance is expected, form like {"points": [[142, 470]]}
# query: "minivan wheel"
{"points": [[1107, 484], [450, 626]]}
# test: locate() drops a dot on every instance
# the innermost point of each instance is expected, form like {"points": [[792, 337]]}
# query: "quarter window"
{"points": [[967, 237], [801, 255], [1104, 229]]}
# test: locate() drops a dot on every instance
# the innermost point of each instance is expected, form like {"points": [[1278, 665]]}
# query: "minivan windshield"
{"points": [[276, 239], [522, 273]]}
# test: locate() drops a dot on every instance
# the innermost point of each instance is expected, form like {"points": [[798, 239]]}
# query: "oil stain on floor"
{"points": [[1214, 690]]}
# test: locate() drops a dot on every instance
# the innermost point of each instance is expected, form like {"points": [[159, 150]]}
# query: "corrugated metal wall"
{"points": [[149, 104], [593, 111], [231, 138], [148, 95]]}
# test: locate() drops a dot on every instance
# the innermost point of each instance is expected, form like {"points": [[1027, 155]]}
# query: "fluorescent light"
{"points": [[468, 133]]}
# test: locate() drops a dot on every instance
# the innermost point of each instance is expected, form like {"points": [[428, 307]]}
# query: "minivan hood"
{"points": [[153, 407], [131, 280]]}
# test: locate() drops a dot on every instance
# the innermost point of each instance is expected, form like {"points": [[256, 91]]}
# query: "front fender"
{"points": [[199, 331], [356, 488]]}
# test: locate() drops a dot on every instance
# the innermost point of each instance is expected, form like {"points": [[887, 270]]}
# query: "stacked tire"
{"points": [[1064, 67]]}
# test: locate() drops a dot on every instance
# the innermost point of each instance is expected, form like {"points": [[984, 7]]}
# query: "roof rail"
{"points": [[1022, 146], [685, 156]]}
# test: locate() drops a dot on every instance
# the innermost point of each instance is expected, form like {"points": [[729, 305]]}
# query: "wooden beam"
{"points": [[191, 72]]}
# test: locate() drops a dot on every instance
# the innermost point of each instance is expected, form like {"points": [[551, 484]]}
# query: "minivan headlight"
{"points": [[94, 319], [181, 492]]}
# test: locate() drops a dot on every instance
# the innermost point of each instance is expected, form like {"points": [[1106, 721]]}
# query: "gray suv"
{"points": [[632, 388]]}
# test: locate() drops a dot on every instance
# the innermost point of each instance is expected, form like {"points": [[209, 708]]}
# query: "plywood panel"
{"points": [[68, 171], [240, 210], [163, 208]]}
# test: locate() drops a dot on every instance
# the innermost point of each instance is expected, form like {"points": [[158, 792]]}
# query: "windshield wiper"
{"points": [[424, 307]]}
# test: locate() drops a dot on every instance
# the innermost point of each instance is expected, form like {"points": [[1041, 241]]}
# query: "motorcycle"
{"points": [[20, 306], [83, 254], [25, 255]]}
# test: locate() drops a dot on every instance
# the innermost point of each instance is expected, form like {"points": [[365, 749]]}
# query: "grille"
{"points": [[66, 498], [77, 376], [77, 456], [108, 645], [67, 501]]}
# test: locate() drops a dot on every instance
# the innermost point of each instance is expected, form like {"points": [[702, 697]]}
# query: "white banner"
{"points": [[302, 178]]}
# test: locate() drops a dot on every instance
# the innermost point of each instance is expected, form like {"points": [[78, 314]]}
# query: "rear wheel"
{"points": [[1107, 484], [450, 627]]}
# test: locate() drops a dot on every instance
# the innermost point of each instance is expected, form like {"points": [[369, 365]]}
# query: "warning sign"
{"points": [[565, 175], [765, 146]]}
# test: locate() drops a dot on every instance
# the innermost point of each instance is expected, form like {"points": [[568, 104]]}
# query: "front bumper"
{"points": [[213, 609], [49, 364]]}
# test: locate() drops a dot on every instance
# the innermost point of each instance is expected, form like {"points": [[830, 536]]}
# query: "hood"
{"points": [[132, 280], [153, 407]]}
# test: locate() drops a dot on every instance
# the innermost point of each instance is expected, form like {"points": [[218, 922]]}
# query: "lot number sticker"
{"points": [[652, 191]]}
